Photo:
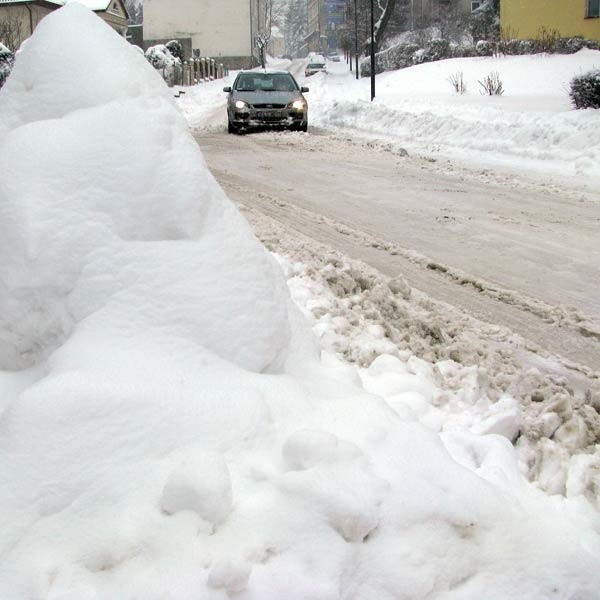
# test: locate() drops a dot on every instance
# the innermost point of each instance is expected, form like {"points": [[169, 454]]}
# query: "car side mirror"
{"points": [[304, 89], [227, 89]]}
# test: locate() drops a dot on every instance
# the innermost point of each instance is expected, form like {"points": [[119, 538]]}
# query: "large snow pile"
{"points": [[165, 428], [97, 173]]}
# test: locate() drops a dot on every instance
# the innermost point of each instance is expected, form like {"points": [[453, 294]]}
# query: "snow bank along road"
{"points": [[510, 252]]}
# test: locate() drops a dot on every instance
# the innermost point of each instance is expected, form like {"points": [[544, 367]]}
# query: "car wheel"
{"points": [[304, 127], [231, 128]]}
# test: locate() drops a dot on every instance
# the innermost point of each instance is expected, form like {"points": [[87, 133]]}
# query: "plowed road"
{"points": [[509, 252]]}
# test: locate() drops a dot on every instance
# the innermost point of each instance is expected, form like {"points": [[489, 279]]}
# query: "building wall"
{"points": [[220, 29], [20, 12], [316, 27], [523, 19]]}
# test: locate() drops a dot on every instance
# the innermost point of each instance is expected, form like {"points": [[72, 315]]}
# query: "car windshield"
{"points": [[316, 66], [265, 82]]}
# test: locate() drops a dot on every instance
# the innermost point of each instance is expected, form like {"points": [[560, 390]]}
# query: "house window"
{"points": [[593, 9], [475, 4]]}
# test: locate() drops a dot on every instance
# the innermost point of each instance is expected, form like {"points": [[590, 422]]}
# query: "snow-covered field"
{"points": [[168, 426], [531, 127]]}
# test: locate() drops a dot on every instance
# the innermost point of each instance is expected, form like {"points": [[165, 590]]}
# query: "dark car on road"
{"points": [[266, 99]]}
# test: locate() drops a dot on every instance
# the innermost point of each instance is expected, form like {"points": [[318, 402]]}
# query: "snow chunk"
{"points": [[230, 574], [304, 449], [201, 484]]}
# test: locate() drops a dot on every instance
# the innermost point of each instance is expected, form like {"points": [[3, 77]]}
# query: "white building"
{"points": [[220, 29]]}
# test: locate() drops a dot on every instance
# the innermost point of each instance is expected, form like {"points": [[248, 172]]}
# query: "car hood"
{"points": [[260, 97]]}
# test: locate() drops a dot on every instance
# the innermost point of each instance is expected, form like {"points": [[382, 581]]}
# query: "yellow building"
{"points": [[523, 19]]}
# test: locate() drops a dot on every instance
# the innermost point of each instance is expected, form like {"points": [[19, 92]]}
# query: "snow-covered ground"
{"points": [[531, 128], [168, 427]]}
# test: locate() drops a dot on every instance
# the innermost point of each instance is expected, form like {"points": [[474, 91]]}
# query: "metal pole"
{"points": [[251, 37], [356, 37], [372, 53]]}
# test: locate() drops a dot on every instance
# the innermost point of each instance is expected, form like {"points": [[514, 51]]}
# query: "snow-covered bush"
{"points": [[6, 62], [510, 46], [462, 50], [398, 57], [485, 48], [569, 45], [437, 50], [175, 48], [585, 90], [163, 61], [591, 44]]}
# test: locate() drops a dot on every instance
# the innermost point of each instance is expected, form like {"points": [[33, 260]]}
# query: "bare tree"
{"points": [[265, 24], [295, 26], [386, 11], [390, 17], [135, 10], [11, 32]]}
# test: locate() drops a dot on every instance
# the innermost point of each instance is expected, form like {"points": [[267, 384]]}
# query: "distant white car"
{"points": [[334, 57], [315, 67]]}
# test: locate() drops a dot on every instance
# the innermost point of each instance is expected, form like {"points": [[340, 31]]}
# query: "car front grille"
{"points": [[274, 106]]}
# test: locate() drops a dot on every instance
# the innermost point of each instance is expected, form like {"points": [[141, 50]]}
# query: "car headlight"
{"points": [[298, 104], [240, 104]]}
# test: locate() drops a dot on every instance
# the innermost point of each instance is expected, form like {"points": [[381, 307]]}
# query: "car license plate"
{"points": [[270, 113]]}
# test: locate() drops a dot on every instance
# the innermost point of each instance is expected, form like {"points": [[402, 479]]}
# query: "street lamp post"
{"points": [[372, 53], [356, 37]]}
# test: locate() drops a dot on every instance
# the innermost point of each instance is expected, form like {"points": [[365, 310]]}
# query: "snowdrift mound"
{"points": [[98, 173], [144, 454], [531, 127]]}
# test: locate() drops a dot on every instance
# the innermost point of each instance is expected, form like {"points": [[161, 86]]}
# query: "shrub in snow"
{"points": [[175, 48], [420, 56], [397, 57], [6, 62], [569, 45], [163, 61], [160, 57], [492, 84], [510, 46], [591, 44], [585, 90], [434, 50], [485, 48], [462, 50], [546, 40], [527, 47], [437, 50], [458, 83]]}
